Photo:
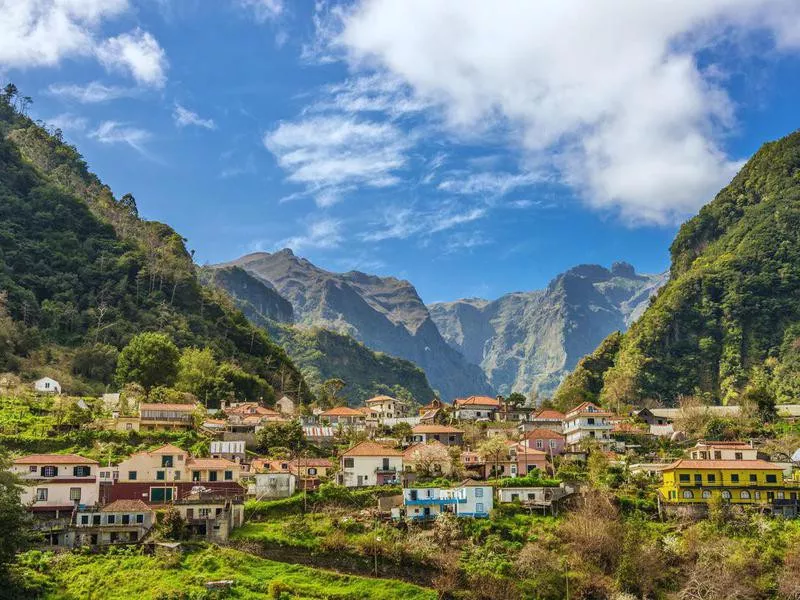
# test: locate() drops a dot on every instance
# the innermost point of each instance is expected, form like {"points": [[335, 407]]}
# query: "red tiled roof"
{"points": [[380, 399], [543, 434], [435, 429], [760, 465], [371, 449], [549, 414], [167, 407], [408, 452], [310, 462], [588, 408], [724, 444], [126, 506], [167, 449], [54, 459], [342, 411], [477, 401]]}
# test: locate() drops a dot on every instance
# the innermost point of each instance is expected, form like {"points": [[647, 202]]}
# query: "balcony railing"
{"points": [[439, 501], [386, 470]]}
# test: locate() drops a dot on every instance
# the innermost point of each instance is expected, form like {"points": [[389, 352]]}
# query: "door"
{"points": [[427, 512], [360, 480]]}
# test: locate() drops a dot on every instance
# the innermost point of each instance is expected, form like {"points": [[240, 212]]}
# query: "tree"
{"points": [[430, 460], [97, 362], [402, 430], [14, 528], [173, 525], [329, 391], [149, 359], [198, 374], [494, 450], [128, 202], [285, 435], [515, 399]]}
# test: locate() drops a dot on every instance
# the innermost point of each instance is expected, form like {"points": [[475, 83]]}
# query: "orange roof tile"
{"points": [[55, 459], [380, 399], [588, 408], [167, 449], [369, 448], [550, 415], [408, 452], [477, 401], [435, 429], [126, 506], [341, 411]]}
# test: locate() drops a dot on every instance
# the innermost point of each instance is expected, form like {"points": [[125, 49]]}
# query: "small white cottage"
{"points": [[46, 385]]}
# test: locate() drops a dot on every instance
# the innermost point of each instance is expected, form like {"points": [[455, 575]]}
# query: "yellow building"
{"points": [[753, 482]]}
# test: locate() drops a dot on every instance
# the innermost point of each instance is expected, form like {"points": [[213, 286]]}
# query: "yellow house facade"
{"points": [[743, 482]]}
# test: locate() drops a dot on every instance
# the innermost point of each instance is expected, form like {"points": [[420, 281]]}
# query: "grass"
{"points": [[129, 574]]}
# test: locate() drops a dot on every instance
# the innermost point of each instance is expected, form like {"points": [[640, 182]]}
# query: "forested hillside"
{"points": [[726, 327], [81, 274], [320, 354]]}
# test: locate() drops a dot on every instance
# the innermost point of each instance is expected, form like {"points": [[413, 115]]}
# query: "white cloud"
{"points": [[322, 234], [67, 123], [40, 33], [264, 10], [90, 93], [184, 117], [609, 93], [333, 153], [113, 132], [371, 93], [137, 53], [488, 183], [400, 222]]}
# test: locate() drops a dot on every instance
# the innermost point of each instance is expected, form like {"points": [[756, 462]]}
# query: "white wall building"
{"points": [[46, 385], [476, 408], [469, 499], [587, 422], [370, 463], [388, 407], [55, 483], [267, 486]]}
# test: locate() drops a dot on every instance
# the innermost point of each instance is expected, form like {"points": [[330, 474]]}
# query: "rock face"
{"points": [[529, 340], [258, 299], [384, 313]]}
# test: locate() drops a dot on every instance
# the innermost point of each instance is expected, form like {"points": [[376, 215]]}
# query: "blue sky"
{"points": [[472, 148]]}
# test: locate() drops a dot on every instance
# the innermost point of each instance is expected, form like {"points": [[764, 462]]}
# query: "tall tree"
{"points": [[149, 359]]}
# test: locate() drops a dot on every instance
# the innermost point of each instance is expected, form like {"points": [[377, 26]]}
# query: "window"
{"points": [[312, 471], [84, 519], [212, 475], [552, 443], [753, 478], [698, 478], [735, 477], [204, 513], [74, 494], [177, 475], [111, 519], [95, 519], [128, 426], [772, 478], [33, 469], [683, 478], [349, 463], [451, 438], [539, 444], [160, 476], [706, 494], [479, 492], [126, 519], [166, 462], [726, 494], [49, 471], [590, 420], [717, 455], [757, 495], [779, 495], [479, 507], [688, 494], [132, 475], [41, 494], [228, 475], [195, 475], [81, 471], [160, 494], [744, 495], [140, 518], [737, 455], [712, 478]]}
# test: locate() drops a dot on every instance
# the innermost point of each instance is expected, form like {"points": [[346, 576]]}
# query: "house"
{"points": [[169, 473], [468, 499], [476, 408], [57, 484], [319, 435], [434, 415], [230, 450], [388, 407], [449, 436], [120, 522], [509, 413], [369, 463], [166, 417], [286, 406], [271, 485], [250, 409], [646, 415], [587, 423], [474, 464], [434, 404], [544, 419], [725, 451], [522, 460], [211, 515], [215, 425], [46, 385], [432, 457], [310, 471], [121, 423], [758, 483], [534, 496], [344, 416], [545, 440]]}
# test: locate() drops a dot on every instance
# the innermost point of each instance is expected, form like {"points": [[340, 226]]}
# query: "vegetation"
{"points": [[728, 320], [82, 274]]}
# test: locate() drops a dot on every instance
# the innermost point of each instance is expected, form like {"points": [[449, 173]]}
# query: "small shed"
{"points": [[47, 385]]}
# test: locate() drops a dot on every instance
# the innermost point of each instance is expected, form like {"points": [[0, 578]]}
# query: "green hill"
{"points": [[728, 320], [79, 270]]}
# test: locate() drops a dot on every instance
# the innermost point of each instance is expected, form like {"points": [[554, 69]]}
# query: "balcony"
{"points": [[386, 470], [434, 501]]}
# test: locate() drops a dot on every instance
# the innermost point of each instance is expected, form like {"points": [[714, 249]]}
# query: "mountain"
{"points": [[726, 327], [81, 273], [320, 353], [529, 340], [384, 313]]}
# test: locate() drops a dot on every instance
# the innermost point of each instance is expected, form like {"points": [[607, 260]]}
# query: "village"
{"points": [[421, 463]]}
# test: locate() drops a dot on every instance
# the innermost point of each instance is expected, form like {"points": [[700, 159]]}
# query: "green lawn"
{"points": [[129, 574]]}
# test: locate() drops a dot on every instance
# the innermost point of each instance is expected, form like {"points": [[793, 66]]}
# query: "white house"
{"points": [[587, 421], [272, 485], [533, 496], [57, 483], [726, 451], [387, 407], [233, 450], [46, 385], [468, 499], [120, 522], [369, 463], [476, 408]]}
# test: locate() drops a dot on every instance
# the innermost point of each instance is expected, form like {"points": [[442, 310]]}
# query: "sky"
{"points": [[473, 148]]}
